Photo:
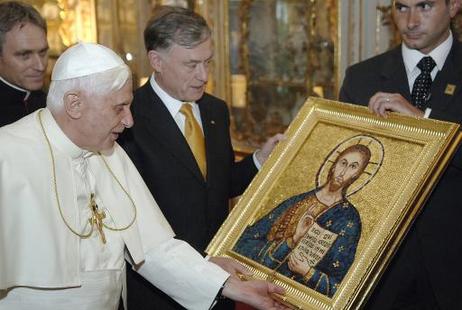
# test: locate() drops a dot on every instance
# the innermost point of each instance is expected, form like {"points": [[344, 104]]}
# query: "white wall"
{"points": [[362, 31]]}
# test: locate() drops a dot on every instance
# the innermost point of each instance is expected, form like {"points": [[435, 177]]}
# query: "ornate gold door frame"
{"points": [[68, 22]]}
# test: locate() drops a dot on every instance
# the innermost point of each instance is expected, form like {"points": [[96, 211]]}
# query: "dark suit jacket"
{"points": [[15, 104], [194, 207], [426, 272]]}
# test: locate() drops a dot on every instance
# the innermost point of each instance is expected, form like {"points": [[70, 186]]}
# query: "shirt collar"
{"points": [[173, 105], [27, 93], [59, 139], [439, 54]]}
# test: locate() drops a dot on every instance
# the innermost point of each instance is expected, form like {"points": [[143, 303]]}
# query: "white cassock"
{"points": [[43, 265]]}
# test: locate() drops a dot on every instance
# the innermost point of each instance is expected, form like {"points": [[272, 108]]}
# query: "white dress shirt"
{"points": [[174, 105]]}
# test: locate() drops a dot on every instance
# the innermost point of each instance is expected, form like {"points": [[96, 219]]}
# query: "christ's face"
{"points": [[347, 168]]}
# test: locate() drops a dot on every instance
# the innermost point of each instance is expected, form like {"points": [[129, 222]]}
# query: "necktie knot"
{"points": [[426, 64], [186, 110]]}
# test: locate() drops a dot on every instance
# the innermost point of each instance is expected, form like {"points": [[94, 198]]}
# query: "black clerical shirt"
{"points": [[16, 103]]}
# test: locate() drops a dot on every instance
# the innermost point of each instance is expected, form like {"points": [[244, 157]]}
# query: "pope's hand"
{"points": [[255, 293]]}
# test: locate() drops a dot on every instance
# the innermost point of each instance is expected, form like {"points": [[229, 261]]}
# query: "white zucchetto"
{"points": [[85, 59]]}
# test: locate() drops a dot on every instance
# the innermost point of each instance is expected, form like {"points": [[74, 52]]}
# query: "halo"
{"points": [[375, 162]]}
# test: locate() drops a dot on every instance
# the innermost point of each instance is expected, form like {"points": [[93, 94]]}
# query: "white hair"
{"points": [[101, 83]]}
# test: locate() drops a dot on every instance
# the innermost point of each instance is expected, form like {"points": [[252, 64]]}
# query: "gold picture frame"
{"points": [[331, 205]]}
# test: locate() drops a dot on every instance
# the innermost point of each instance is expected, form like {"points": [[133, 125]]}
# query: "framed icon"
{"points": [[331, 205]]}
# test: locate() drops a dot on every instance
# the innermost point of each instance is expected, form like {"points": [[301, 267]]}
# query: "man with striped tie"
{"points": [[422, 78]]}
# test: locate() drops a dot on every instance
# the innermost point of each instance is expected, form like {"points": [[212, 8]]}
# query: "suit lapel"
{"points": [[451, 75], [394, 74], [164, 129], [208, 125]]}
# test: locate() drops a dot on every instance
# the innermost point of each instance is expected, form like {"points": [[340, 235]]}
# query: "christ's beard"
{"points": [[335, 185]]}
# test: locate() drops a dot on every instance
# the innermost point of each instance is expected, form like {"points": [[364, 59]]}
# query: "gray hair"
{"points": [[13, 13], [101, 83], [175, 25]]}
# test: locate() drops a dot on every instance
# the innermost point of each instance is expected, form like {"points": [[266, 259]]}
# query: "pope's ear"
{"points": [[73, 105], [155, 60]]}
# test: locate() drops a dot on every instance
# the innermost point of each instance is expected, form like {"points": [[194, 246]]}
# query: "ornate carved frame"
{"points": [[415, 152]]}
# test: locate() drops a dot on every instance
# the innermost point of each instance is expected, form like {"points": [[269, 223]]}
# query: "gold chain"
{"points": [[53, 168], [126, 194]]}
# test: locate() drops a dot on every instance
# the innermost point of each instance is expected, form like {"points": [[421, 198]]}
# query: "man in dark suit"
{"points": [[23, 60], [180, 142], [425, 272]]}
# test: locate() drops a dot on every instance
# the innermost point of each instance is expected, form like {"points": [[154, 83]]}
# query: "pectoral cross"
{"points": [[97, 218]]}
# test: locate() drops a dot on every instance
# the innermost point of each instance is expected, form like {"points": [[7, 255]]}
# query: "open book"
{"points": [[314, 244]]}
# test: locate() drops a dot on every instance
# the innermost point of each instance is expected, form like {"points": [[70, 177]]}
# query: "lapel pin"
{"points": [[212, 122], [450, 89]]}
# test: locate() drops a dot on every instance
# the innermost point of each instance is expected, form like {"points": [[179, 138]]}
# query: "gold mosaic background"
{"points": [[373, 201]]}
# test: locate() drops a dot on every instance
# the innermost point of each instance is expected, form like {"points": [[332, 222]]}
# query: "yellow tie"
{"points": [[194, 137]]}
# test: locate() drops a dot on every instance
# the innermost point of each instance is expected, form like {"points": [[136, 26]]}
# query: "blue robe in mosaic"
{"points": [[342, 219]]}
